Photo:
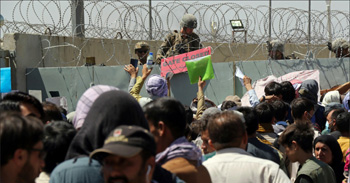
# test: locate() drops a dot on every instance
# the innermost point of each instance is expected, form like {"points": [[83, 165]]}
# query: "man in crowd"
{"points": [[29, 105], [343, 124], [128, 155], [273, 91], [265, 114], [255, 146], [297, 140], [232, 163], [309, 89], [167, 121], [332, 121], [156, 86], [178, 43], [302, 110], [22, 153]]}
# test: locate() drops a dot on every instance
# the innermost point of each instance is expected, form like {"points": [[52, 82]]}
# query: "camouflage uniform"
{"points": [[175, 44]]}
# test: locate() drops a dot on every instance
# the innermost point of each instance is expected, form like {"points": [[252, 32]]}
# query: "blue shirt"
{"points": [[77, 170]]}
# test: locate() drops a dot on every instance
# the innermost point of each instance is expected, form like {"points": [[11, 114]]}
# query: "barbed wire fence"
{"points": [[104, 19], [130, 21]]}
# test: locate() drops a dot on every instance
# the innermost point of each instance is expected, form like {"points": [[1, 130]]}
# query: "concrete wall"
{"points": [[71, 82], [32, 51]]}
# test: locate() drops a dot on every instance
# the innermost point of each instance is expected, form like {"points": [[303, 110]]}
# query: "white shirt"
{"points": [[232, 165]]}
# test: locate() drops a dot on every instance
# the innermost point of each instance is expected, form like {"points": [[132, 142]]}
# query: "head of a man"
{"points": [[343, 123], [273, 88], [128, 155], [227, 130], [265, 112], [341, 48], [302, 109], [331, 118], [156, 86], [288, 92], [297, 140], [52, 112], [281, 110], [22, 151], [276, 49], [142, 50], [188, 23], [206, 148], [251, 119], [167, 121], [29, 105], [58, 136]]}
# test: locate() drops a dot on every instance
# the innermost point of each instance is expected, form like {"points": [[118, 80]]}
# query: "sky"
{"points": [[34, 11], [7, 6]]}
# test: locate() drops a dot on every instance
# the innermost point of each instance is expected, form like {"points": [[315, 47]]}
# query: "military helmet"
{"points": [[141, 45], [339, 43], [189, 20], [277, 45]]}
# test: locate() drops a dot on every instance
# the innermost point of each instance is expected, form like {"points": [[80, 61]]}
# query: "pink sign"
{"points": [[176, 64]]}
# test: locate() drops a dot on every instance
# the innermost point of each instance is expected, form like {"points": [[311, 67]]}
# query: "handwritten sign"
{"points": [[176, 64]]}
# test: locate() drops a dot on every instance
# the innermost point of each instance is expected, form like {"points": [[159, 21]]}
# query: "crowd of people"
{"points": [[289, 135]]}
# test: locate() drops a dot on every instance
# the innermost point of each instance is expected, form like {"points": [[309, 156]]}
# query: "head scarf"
{"points": [[157, 86], [309, 90], [346, 101], [111, 109], [85, 102], [333, 145], [332, 96]]}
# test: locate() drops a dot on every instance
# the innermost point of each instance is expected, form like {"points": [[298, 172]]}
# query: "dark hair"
{"points": [[331, 106], [227, 104], [288, 92], [8, 105], [25, 98], [336, 112], [343, 122], [18, 132], [189, 114], [226, 129], [170, 111], [58, 136], [273, 88], [52, 112], [62, 110], [301, 133], [193, 130], [299, 106], [331, 142], [264, 112], [280, 109], [251, 119]]}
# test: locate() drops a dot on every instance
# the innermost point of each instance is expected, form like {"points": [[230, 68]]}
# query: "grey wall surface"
{"points": [[71, 82], [33, 51]]}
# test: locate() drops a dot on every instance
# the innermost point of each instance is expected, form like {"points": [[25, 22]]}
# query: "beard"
{"points": [[27, 174], [140, 177], [122, 179]]}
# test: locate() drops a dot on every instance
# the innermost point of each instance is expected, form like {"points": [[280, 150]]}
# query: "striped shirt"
{"points": [[180, 148]]}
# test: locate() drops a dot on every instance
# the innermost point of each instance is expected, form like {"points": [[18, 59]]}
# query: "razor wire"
{"points": [[121, 20]]}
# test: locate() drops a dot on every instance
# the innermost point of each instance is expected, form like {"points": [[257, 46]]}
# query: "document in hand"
{"points": [[200, 67]]}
